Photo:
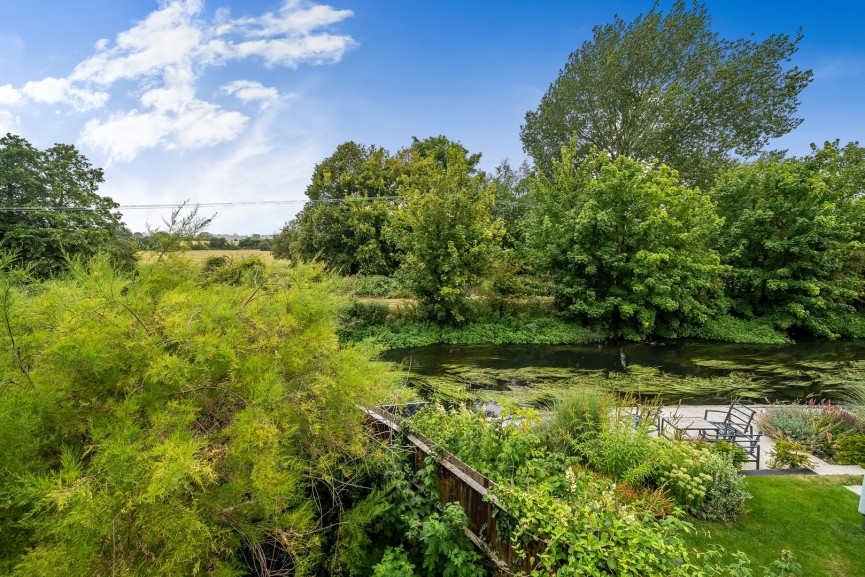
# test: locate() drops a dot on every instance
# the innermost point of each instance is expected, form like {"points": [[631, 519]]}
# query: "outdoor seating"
{"points": [[735, 426], [738, 419]]}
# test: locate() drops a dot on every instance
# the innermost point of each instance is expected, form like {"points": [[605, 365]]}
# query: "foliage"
{"points": [[857, 398], [161, 425], [700, 480], [394, 563], [180, 227], [666, 86], [816, 426], [377, 286], [726, 494], [222, 269], [442, 537], [52, 209], [342, 222], [850, 449], [447, 235], [791, 237], [572, 521], [727, 328], [628, 247], [789, 455], [579, 415], [433, 535]]}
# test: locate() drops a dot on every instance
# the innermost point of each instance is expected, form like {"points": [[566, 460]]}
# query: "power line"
{"points": [[200, 204], [217, 204]]}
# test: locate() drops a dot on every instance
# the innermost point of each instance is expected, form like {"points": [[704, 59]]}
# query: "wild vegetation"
{"points": [[170, 417], [179, 421]]}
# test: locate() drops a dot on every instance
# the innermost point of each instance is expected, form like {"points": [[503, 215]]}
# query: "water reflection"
{"points": [[805, 369]]}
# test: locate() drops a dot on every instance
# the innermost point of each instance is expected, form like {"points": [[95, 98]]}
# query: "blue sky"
{"points": [[221, 100]]}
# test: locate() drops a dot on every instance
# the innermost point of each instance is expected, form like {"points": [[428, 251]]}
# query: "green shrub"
{"points": [[395, 563], [731, 329], [579, 415], [856, 395], [360, 315], [378, 286], [789, 455], [851, 449], [734, 453], [222, 269], [725, 494]]}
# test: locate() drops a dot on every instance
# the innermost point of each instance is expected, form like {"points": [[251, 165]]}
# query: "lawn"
{"points": [[815, 517]]}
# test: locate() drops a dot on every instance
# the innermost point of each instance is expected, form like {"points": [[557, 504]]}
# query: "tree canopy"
{"points": [[446, 232], [342, 222], [52, 209], [792, 235], [666, 86], [629, 247]]}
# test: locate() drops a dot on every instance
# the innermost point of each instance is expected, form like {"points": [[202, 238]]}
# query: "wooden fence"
{"points": [[456, 482]]}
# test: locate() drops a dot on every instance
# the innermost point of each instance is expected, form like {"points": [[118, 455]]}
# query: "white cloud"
{"points": [[292, 18], [160, 60], [9, 96], [248, 90], [60, 90], [8, 122], [193, 124]]}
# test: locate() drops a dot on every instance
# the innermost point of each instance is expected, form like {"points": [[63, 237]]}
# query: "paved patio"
{"points": [[693, 415]]}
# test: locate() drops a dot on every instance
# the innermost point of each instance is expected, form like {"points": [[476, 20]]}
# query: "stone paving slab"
{"points": [[855, 488], [695, 413]]}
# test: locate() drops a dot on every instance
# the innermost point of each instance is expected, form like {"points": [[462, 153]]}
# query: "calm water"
{"points": [[790, 370]]}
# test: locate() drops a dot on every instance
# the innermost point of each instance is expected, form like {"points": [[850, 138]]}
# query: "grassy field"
{"points": [[202, 255], [815, 517]]}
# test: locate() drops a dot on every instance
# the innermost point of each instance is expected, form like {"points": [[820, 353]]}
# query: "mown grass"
{"points": [[815, 517]]}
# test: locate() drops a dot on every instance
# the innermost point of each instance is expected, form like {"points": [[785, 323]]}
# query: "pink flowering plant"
{"points": [[818, 427]]}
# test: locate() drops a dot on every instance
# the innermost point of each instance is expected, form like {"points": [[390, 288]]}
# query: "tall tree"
{"points": [[629, 248], [666, 86], [52, 208], [342, 222], [446, 230], [792, 235]]}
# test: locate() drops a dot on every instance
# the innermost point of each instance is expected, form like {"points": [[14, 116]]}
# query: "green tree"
{"points": [[342, 222], [161, 425], [793, 237], [666, 86], [446, 231], [52, 209], [629, 248]]}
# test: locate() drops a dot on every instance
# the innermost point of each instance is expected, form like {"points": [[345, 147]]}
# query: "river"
{"points": [[813, 369]]}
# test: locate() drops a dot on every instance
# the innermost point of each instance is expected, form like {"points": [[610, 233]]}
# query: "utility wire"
{"points": [[216, 204]]}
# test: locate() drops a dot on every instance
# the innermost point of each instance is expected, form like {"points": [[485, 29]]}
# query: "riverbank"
{"points": [[393, 324]]}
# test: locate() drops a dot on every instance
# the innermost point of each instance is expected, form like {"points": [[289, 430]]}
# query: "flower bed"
{"points": [[828, 431]]}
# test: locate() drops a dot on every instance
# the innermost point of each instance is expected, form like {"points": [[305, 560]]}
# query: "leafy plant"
{"points": [[725, 494], [394, 563], [789, 455], [850, 449], [579, 415], [154, 424], [629, 247]]}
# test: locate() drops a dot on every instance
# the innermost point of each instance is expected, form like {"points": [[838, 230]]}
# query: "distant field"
{"points": [[202, 255]]}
